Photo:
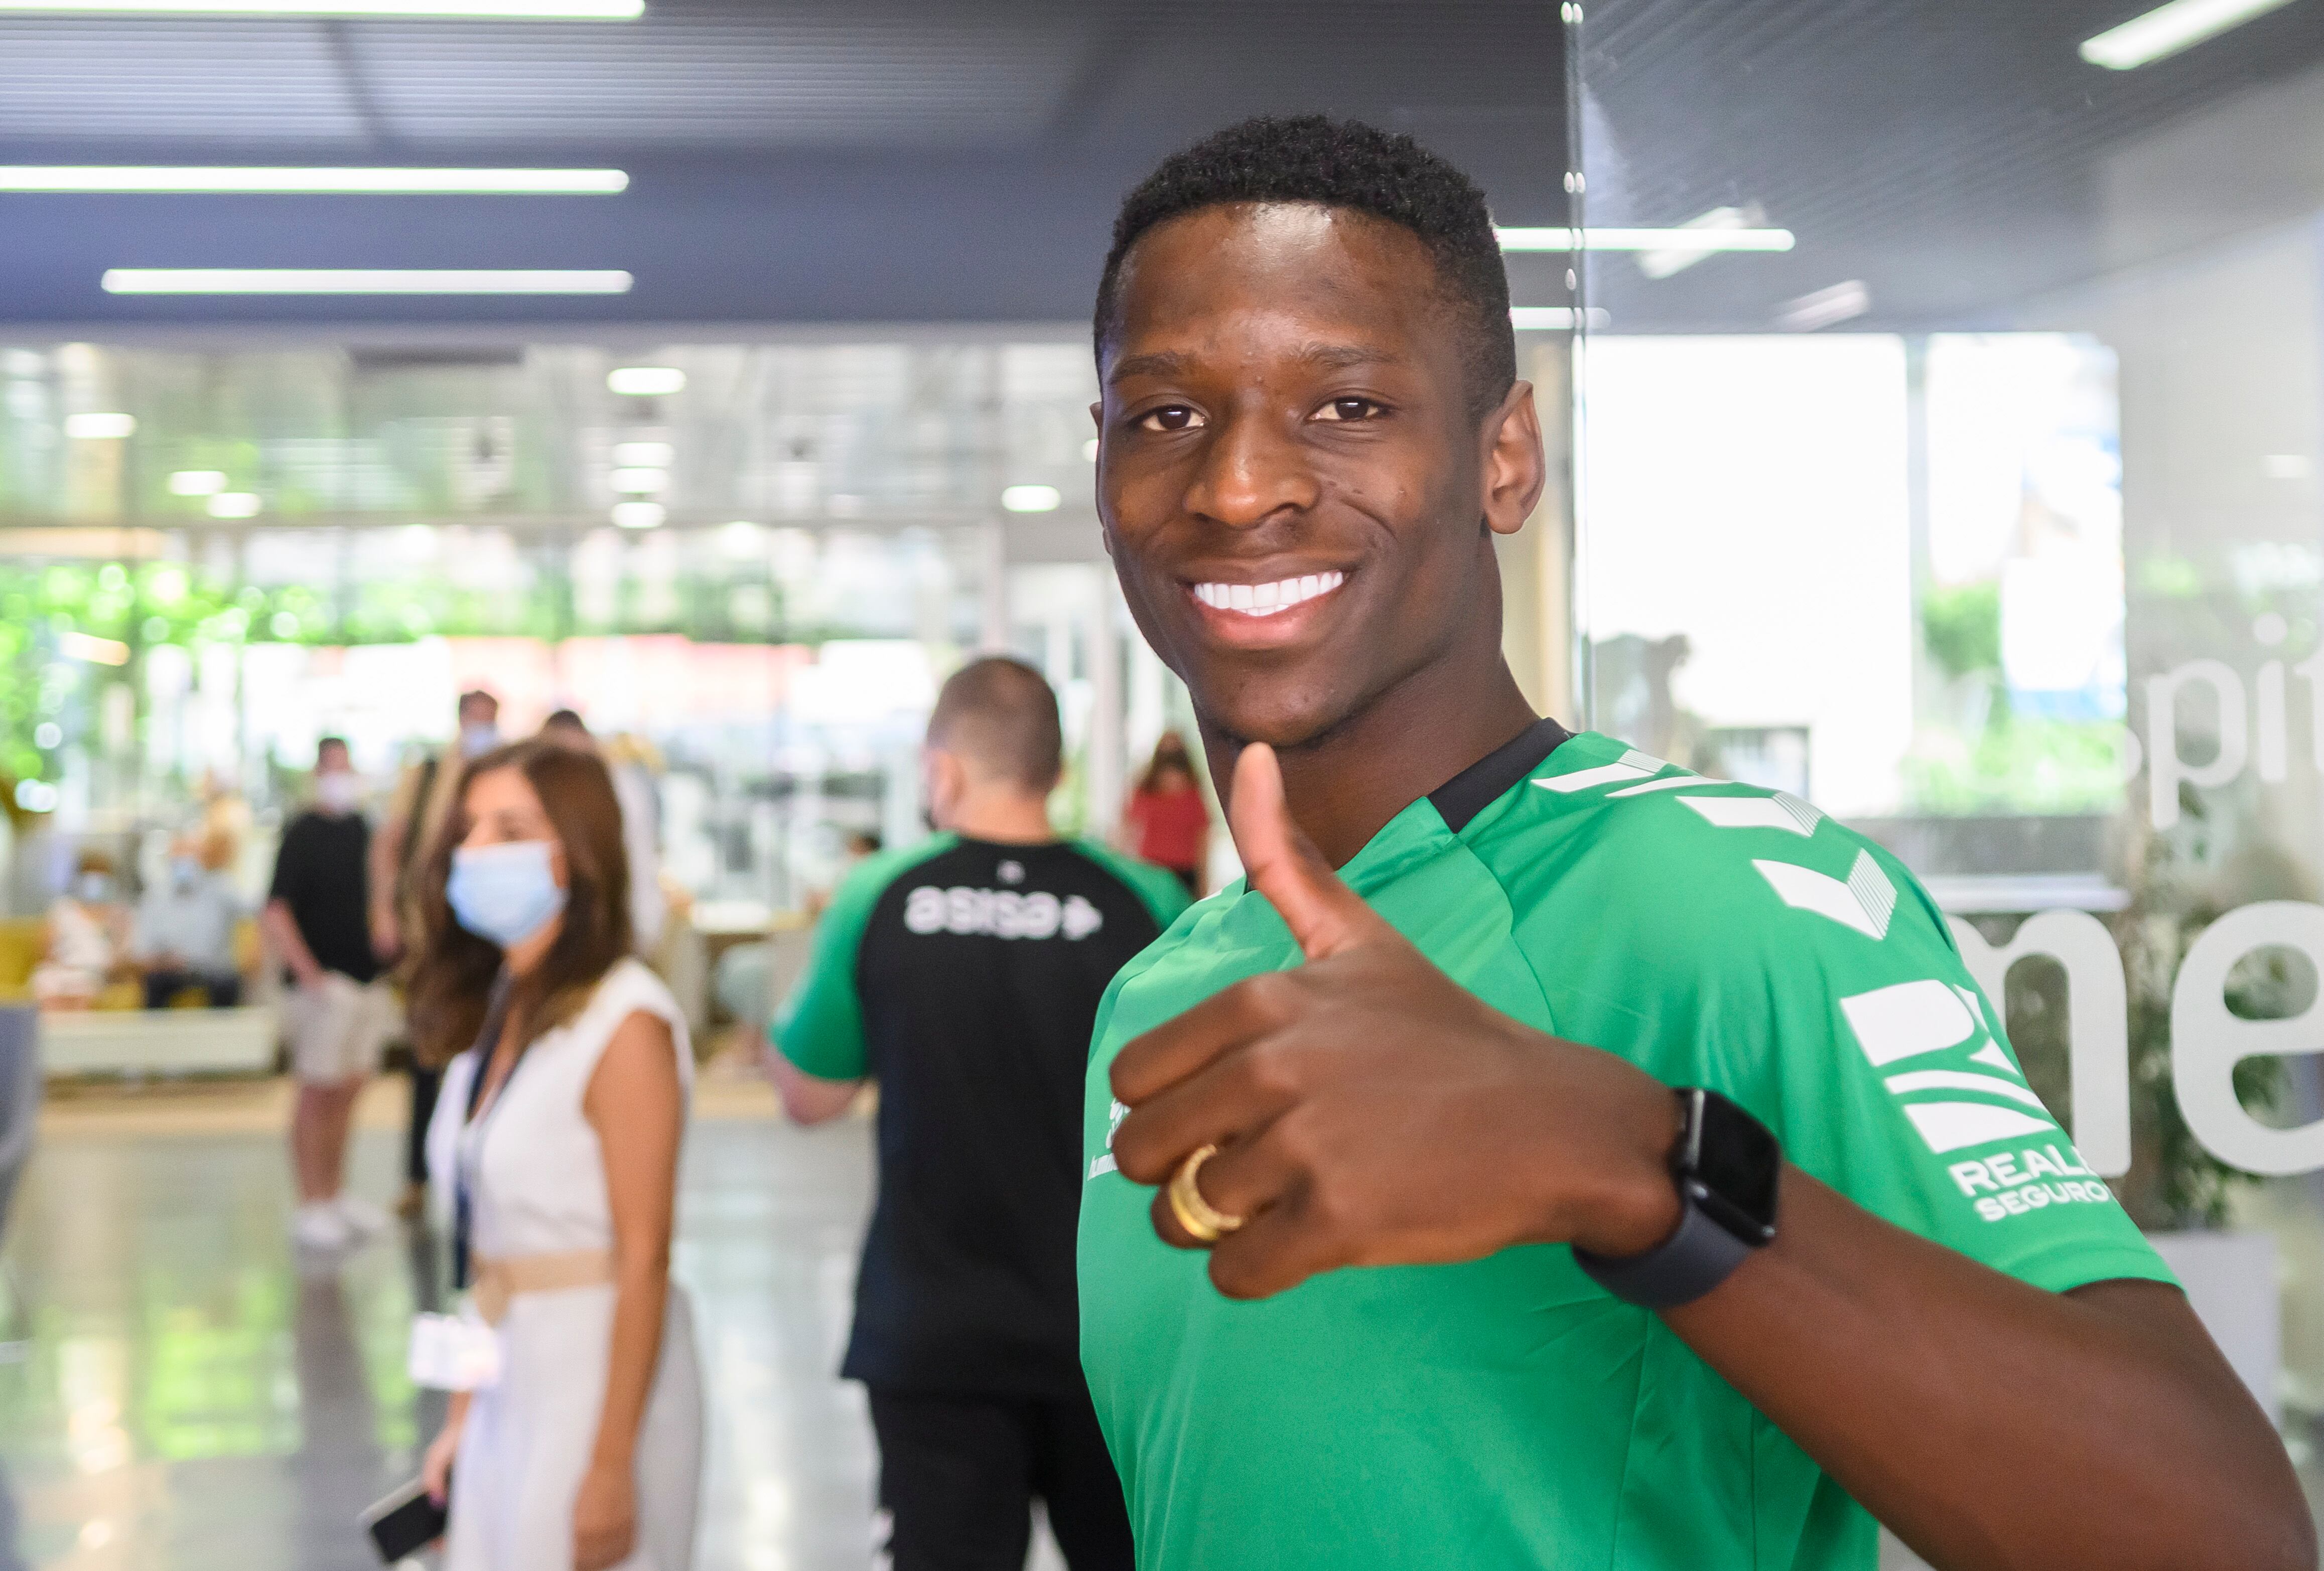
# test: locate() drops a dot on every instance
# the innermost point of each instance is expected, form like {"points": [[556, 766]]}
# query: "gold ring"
{"points": [[1205, 1222]]}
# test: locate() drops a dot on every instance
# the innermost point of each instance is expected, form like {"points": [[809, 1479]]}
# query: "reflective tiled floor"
{"points": [[180, 1392], [189, 1395]]}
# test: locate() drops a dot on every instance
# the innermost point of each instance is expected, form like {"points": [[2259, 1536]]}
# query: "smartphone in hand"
{"points": [[404, 1523]]}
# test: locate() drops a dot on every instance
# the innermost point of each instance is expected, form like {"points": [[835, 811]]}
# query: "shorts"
{"points": [[337, 1029]]}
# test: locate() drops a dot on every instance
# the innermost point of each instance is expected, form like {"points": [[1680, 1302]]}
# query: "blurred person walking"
{"points": [[641, 824], [568, 1073], [1169, 824], [965, 974], [337, 1020], [415, 814], [184, 936]]}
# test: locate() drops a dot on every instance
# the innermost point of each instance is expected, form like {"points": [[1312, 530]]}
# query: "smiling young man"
{"points": [[1604, 1166]]}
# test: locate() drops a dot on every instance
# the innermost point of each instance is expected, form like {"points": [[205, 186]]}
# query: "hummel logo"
{"points": [[1631, 765], [1782, 811], [1865, 901]]}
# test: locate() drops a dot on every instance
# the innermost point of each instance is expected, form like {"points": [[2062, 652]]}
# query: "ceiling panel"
{"points": [[129, 77], [715, 78]]}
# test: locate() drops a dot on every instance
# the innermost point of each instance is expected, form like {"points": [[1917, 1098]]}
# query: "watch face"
{"points": [[1730, 1163]]}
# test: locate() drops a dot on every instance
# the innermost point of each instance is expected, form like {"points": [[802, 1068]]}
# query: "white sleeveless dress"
{"points": [[537, 1178]]}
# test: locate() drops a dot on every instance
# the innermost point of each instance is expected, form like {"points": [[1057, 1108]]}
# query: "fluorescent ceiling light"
{"points": [[1670, 260], [1031, 499], [353, 280], [197, 483], [234, 504], [639, 515], [520, 10], [2286, 466], [643, 454], [98, 428], [1551, 318], [169, 178], [646, 382], [636, 480], [1673, 239], [2166, 30], [1825, 307]]}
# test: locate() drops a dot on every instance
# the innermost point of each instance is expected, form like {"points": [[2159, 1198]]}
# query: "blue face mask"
{"points": [[504, 893]]}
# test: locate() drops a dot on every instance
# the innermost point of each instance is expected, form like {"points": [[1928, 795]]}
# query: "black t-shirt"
{"points": [[965, 976], [322, 873]]}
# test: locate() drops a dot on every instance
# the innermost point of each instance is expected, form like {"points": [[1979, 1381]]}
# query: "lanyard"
{"points": [[462, 1199]]}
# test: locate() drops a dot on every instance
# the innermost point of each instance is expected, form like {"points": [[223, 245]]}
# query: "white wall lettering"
{"points": [[2165, 769], [2208, 1040], [2097, 1020]]}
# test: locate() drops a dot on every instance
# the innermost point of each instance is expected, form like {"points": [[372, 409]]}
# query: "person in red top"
{"points": [[1167, 823]]}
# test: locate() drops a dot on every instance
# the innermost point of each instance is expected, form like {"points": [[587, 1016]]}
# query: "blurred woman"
{"points": [[82, 941], [1168, 824], [559, 1131]]}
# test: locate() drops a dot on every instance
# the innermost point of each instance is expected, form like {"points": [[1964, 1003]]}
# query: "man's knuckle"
{"points": [[1273, 996]]}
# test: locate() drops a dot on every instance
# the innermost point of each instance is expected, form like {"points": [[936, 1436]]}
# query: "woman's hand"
{"points": [[435, 1466], [604, 1518]]}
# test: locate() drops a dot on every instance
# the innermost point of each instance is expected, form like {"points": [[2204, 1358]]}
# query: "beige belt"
{"points": [[499, 1280]]}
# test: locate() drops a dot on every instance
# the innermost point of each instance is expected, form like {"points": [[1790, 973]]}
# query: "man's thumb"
{"points": [[1283, 864]]}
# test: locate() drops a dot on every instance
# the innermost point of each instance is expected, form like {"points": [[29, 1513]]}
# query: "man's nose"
{"points": [[1254, 469]]}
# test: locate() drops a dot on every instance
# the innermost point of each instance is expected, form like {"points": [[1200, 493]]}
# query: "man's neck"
{"points": [[1346, 785], [1009, 819]]}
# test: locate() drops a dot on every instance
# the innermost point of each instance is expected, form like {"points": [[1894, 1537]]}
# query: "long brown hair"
{"points": [[1169, 753], [452, 980]]}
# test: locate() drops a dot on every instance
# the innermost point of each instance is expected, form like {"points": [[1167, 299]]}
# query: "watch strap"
{"points": [[1679, 1270]]}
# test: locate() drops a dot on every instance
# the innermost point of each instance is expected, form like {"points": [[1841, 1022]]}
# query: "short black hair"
{"points": [[325, 744], [1003, 714], [1342, 163], [568, 718]]}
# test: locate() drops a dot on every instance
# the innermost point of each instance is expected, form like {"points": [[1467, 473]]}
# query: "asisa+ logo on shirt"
{"points": [[999, 913]]}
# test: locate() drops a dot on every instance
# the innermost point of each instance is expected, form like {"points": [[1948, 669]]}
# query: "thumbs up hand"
{"points": [[1368, 1110]]}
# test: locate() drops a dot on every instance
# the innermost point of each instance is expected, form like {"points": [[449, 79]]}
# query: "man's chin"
{"points": [[1285, 715]]}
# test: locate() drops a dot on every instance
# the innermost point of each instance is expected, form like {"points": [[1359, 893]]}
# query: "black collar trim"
{"points": [[1485, 782]]}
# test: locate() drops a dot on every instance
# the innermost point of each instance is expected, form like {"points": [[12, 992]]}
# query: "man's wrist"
{"points": [[1637, 1204]]}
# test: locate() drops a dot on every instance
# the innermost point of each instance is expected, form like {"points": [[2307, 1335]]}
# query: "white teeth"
{"points": [[1267, 599]]}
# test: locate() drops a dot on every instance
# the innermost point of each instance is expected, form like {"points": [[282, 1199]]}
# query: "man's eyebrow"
{"points": [[1346, 356], [1161, 363], [1167, 363]]}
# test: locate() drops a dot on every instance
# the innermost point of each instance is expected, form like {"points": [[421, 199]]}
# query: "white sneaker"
{"points": [[363, 1218], [320, 1225]]}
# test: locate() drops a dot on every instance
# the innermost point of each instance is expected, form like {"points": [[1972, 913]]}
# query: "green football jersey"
{"points": [[1509, 1412]]}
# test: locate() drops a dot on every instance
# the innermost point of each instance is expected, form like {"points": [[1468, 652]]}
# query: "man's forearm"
{"points": [[283, 930], [1990, 1424]]}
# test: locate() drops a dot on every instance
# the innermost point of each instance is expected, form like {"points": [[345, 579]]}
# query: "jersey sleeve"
{"points": [[820, 1026], [1894, 1083], [1801, 971]]}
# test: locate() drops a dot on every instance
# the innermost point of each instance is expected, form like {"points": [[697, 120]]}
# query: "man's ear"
{"points": [[1515, 469]]}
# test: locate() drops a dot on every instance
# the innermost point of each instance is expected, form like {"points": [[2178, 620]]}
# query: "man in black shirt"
{"points": [[317, 918], [965, 974]]}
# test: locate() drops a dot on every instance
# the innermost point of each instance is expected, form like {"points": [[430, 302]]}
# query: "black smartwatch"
{"points": [[1725, 1165]]}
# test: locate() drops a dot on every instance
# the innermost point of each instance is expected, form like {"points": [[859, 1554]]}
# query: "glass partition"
{"points": [[1980, 396]]}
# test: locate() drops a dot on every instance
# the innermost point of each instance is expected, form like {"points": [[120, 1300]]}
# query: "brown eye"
{"points": [[1348, 409], [1170, 417]]}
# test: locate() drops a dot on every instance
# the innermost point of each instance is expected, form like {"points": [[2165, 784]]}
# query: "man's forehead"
{"points": [[1331, 285]]}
